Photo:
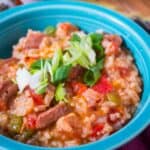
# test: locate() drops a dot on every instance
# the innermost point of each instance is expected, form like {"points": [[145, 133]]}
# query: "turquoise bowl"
{"points": [[14, 23]]}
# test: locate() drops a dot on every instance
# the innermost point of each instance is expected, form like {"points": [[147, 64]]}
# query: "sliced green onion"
{"points": [[82, 53], [41, 89], [62, 73], [96, 43], [96, 38], [36, 66], [75, 37], [50, 30], [60, 93], [86, 46], [92, 75], [57, 58], [66, 58]]}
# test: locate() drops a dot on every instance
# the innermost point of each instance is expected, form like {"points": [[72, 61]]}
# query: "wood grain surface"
{"points": [[131, 8], [138, 10]]}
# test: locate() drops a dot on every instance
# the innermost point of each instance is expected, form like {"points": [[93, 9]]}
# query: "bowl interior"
{"points": [[88, 18]]}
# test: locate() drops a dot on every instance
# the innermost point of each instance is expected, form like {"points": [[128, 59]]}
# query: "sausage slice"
{"points": [[8, 91], [52, 115]]}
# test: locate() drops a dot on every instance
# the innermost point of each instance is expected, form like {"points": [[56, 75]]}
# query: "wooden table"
{"points": [[139, 10], [131, 8]]}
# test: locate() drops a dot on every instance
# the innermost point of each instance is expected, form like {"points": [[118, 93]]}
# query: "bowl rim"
{"points": [[6, 143]]}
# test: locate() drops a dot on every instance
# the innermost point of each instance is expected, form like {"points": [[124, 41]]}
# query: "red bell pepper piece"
{"points": [[38, 99], [31, 121], [103, 85], [97, 128]]}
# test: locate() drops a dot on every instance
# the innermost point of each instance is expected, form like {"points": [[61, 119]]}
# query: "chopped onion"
{"points": [[23, 78], [35, 80]]}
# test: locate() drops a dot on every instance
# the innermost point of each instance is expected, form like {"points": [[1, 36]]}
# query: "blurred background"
{"points": [[131, 8], [139, 11]]}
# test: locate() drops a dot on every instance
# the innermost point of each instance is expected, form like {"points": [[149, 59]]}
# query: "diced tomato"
{"points": [[65, 29], [67, 26], [31, 121], [97, 128], [38, 99], [78, 87], [103, 85]]}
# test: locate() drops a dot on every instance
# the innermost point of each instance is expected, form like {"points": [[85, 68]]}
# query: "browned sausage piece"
{"points": [[33, 40], [8, 90], [52, 115], [49, 95], [8, 61]]}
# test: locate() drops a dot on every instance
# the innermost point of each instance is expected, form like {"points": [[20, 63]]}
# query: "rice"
{"points": [[98, 111]]}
